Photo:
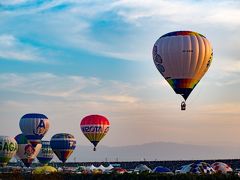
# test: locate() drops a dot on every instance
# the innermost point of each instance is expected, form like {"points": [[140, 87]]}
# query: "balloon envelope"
{"points": [[44, 170], [8, 148], [197, 168], [46, 153], [26, 151], [34, 126], [94, 127], [63, 145], [221, 167], [182, 57]]}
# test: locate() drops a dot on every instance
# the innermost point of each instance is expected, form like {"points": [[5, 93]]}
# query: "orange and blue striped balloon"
{"points": [[63, 145]]}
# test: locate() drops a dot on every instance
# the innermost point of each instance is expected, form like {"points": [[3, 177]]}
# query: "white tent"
{"points": [[91, 168], [109, 167], [101, 167]]}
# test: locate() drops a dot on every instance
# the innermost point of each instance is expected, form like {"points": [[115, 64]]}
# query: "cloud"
{"points": [[106, 27], [68, 87], [13, 2], [13, 49]]}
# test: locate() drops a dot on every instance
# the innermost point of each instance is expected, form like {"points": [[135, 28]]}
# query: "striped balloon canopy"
{"points": [[94, 127], [46, 153], [34, 126], [8, 148], [26, 151], [63, 145], [182, 58]]}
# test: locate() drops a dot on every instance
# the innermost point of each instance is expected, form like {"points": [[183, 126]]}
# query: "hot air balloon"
{"points": [[8, 148], [34, 126], [94, 127], [46, 153], [26, 151], [182, 57], [221, 167], [63, 145]]}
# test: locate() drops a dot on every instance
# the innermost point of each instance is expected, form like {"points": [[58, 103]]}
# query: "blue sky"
{"points": [[71, 58]]}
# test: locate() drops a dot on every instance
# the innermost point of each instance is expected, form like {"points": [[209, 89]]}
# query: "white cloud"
{"points": [[13, 2], [142, 22], [68, 87], [12, 49]]}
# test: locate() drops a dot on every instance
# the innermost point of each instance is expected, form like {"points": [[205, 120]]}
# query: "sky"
{"points": [[71, 58]]}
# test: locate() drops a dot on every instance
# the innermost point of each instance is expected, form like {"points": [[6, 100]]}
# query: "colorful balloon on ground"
{"points": [[26, 151], [197, 168], [182, 57], [221, 167], [34, 126], [63, 145], [94, 127], [8, 148], [46, 153]]}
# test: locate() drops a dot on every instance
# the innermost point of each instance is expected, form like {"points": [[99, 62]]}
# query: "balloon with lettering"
{"points": [[46, 153], [63, 145], [8, 148], [34, 126], [94, 127], [182, 58], [26, 151]]}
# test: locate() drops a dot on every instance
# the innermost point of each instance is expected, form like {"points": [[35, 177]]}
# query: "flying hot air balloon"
{"points": [[26, 151], [46, 153], [34, 126], [8, 148], [94, 127], [182, 57], [63, 145]]}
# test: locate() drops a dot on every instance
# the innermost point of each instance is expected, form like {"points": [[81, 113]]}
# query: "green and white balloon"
{"points": [[8, 148]]}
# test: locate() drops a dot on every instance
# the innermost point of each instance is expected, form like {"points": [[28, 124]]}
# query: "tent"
{"points": [[101, 167], [109, 167], [142, 168], [198, 168], [161, 169], [91, 168], [44, 170], [221, 167]]}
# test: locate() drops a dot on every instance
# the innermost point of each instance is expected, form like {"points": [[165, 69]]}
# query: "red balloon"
{"points": [[94, 127]]}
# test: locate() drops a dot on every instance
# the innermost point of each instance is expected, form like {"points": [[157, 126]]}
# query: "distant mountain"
{"points": [[153, 151]]}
